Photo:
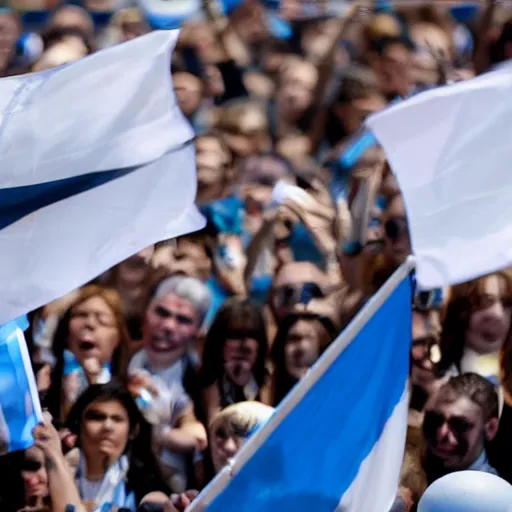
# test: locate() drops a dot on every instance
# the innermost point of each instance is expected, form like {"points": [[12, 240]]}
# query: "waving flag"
{"points": [[20, 410], [450, 149], [337, 441], [97, 162]]}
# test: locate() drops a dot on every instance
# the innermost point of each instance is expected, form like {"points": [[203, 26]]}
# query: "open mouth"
{"points": [[86, 346]]}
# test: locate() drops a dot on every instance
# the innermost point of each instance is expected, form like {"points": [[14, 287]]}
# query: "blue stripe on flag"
{"points": [[312, 457], [18, 202]]}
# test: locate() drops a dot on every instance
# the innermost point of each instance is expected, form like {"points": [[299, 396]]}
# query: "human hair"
{"points": [[477, 389], [462, 302], [234, 113], [143, 473], [282, 382], [237, 318], [357, 82], [119, 357], [57, 34], [243, 418], [188, 288]]}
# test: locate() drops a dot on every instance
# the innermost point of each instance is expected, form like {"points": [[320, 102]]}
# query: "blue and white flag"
{"points": [[337, 440], [20, 410], [97, 162], [450, 149]]}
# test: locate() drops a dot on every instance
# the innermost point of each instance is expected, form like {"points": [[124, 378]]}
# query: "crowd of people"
{"points": [[153, 375]]}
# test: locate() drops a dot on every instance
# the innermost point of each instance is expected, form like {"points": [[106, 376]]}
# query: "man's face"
{"points": [[171, 323], [454, 429]]}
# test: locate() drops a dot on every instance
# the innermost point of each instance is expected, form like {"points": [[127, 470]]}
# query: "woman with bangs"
{"points": [[476, 325], [234, 357], [301, 339], [90, 346]]}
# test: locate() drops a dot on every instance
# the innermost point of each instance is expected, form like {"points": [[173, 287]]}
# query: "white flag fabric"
{"points": [[97, 162], [451, 151]]}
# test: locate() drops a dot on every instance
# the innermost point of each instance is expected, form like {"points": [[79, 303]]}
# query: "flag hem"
{"points": [[295, 396]]}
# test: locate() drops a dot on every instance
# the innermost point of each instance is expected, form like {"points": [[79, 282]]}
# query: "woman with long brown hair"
{"points": [[476, 324], [90, 346]]}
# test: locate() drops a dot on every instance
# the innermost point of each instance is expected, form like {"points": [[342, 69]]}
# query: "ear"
{"points": [[491, 428]]}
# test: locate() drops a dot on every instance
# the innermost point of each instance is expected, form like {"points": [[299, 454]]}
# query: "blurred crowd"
{"points": [[156, 373]]}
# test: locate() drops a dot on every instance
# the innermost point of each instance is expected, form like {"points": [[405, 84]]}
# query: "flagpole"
{"points": [[221, 481]]}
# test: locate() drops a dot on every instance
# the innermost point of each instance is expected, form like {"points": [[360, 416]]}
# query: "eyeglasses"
{"points": [[395, 227], [288, 295], [434, 421], [426, 348]]}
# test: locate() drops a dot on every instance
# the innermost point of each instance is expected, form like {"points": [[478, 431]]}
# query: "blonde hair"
{"points": [[243, 417]]}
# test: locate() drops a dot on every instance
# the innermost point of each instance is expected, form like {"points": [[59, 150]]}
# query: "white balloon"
{"points": [[467, 491]]}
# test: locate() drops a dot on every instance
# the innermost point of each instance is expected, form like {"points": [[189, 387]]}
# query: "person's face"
{"points": [[258, 177], [295, 93], [93, 331], [250, 136], [393, 70], [302, 348], [240, 356], [249, 22], [211, 162], [171, 323], [424, 351], [290, 282], [396, 234], [105, 430], [189, 92], [353, 114], [35, 478], [191, 259], [134, 270], [490, 323], [454, 430], [224, 444]]}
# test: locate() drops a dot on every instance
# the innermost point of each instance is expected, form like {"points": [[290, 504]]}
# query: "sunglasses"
{"points": [[288, 295], [426, 348], [395, 228], [434, 421], [31, 465]]}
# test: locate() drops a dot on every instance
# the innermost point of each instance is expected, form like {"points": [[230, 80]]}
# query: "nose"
{"points": [[170, 324], [230, 447], [33, 480], [107, 425], [496, 310], [443, 432]]}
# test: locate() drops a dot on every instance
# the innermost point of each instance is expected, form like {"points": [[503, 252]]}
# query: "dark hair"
{"points": [[477, 389], [57, 34], [282, 382], [380, 45], [241, 318], [143, 474], [119, 357], [497, 51], [356, 83], [462, 303]]}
